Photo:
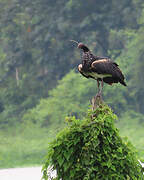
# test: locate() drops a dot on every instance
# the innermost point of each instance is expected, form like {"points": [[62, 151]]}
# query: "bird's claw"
{"points": [[99, 95]]}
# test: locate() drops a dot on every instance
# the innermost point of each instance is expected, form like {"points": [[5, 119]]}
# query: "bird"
{"points": [[102, 69]]}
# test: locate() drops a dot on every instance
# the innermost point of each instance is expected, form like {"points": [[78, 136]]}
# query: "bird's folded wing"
{"points": [[100, 57], [105, 66]]}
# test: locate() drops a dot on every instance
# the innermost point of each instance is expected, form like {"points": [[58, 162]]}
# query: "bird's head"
{"points": [[81, 46]]}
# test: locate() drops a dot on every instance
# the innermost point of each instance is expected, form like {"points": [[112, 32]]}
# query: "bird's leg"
{"points": [[98, 85], [97, 100], [100, 92]]}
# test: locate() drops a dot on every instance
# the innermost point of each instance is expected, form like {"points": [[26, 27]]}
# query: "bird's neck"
{"points": [[86, 62], [85, 49]]}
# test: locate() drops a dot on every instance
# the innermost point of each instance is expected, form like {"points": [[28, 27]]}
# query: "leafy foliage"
{"points": [[35, 50], [92, 149], [66, 100]]}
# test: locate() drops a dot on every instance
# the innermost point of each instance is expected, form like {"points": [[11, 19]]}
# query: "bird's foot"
{"points": [[99, 95], [96, 101]]}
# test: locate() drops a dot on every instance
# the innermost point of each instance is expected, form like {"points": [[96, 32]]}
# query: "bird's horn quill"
{"points": [[74, 41]]}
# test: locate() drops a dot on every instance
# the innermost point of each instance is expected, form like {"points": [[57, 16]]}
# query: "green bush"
{"points": [[92, 149]]}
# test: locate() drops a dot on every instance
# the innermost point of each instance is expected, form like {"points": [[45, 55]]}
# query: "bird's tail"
{"points": [[123, 83]]}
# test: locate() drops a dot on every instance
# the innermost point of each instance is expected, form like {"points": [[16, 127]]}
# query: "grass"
{"points": [[26, 145], [23, 146], [131, 125]]}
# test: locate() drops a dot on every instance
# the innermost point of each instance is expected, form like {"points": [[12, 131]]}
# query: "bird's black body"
{"points": [[99, 68]]}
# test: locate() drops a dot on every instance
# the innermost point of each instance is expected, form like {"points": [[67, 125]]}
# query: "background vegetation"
{"points": [[39, 83]]}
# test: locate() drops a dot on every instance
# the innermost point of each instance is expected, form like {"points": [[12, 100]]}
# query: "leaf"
{"points": [[60, 160]]}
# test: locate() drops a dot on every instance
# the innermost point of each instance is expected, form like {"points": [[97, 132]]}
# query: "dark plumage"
{"points": [[99, 68]]}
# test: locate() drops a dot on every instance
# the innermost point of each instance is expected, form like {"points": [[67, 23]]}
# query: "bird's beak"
{"points": [[74, 42]]}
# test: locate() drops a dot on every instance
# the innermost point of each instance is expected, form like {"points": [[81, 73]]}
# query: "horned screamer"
{"points": [[102, 69]]}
